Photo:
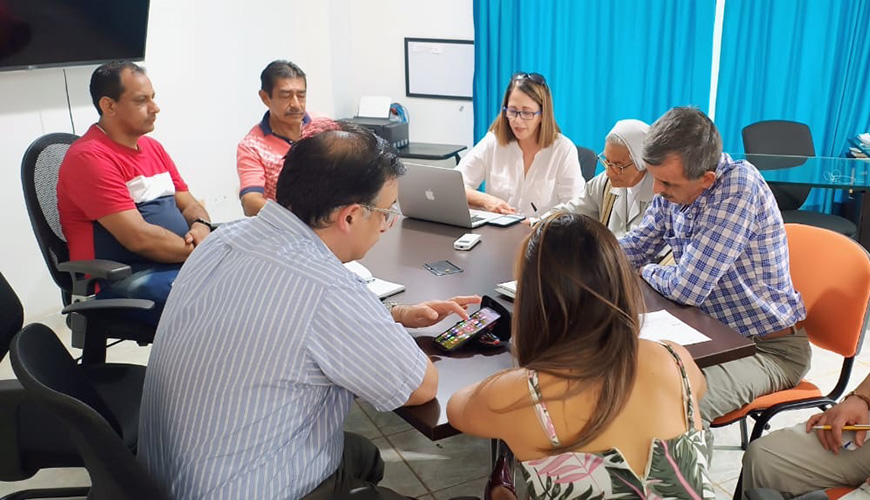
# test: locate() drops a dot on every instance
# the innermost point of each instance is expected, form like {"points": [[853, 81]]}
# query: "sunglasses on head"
{"points": [[535, 77]]}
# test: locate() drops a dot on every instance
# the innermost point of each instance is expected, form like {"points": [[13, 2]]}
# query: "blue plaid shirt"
{"points": [[731, 252]]}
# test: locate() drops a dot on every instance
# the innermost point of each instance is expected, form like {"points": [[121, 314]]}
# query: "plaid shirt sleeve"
{"points": [[644, 242], [718, 237]]}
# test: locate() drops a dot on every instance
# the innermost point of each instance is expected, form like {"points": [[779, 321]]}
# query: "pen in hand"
{"points": [[534, 207]]}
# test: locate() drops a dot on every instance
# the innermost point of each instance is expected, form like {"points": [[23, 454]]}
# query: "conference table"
{"points": [[399, 257]]}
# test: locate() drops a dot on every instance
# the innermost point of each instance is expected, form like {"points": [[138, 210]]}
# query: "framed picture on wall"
{"points": [[438, 68]]}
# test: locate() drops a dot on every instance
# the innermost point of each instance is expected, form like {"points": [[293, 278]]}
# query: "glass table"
{"points": [[819, 171]]}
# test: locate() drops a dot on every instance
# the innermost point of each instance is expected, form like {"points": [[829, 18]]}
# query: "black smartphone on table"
{"points": [[462, 332], [506, 220]]}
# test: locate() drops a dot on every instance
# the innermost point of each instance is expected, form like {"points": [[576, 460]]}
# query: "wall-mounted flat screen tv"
{"points": [[51, 33]]}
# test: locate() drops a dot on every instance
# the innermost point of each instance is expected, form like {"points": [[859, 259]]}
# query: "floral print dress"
{"points": [[677, 467]]}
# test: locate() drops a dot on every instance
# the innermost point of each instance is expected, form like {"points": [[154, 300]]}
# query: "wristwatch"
{"points": [[204, 222]]}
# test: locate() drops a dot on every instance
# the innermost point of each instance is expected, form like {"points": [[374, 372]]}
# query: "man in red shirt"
{"points": [[120, 196]]}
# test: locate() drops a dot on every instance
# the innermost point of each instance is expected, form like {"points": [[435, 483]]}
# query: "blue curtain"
{"points": [[604, 60], [800, 60]]}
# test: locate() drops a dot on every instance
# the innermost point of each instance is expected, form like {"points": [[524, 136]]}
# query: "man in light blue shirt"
{"points": [[266, 338], [729, 243]]}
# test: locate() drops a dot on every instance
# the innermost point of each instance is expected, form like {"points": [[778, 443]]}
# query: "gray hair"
{"points": [[688, 132]]}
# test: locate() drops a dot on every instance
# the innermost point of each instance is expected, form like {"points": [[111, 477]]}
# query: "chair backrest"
{"points": [[780, 137], [832, 274], [11, 315], [50, 375], [588, 162], [39, 169]]}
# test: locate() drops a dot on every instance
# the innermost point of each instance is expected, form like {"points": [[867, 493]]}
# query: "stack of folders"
{"points": [[381, 288], [508, 288]]}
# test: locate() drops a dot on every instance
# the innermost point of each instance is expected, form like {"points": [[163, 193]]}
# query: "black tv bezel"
{"points": [[90, 62]]}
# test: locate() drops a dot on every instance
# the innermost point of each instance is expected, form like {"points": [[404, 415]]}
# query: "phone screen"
{"points": [[462, 332]]}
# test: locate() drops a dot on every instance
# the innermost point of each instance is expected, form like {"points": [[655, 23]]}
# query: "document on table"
{"points": [[662, 325], [381, 288], [508, 288]]}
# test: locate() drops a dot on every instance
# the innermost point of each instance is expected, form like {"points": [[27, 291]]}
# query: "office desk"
{"points": [[428, 151], [821, 172], [399, 257]]}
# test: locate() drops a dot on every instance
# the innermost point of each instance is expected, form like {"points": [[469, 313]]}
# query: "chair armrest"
{"points": [[98, 268], [85, 307], [84, 273]]}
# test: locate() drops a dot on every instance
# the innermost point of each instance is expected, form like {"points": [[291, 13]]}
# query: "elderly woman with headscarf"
{"points": [[617, 197]]}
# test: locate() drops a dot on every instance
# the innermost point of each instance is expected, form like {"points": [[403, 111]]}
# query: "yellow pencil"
{"points": [[856, 427]]}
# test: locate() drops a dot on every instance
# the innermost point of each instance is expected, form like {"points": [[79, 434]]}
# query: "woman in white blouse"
{"points": [[527, 164]]}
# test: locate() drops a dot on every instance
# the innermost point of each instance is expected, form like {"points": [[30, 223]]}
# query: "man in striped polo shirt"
{"points": [[260, 154], [267, 338]]}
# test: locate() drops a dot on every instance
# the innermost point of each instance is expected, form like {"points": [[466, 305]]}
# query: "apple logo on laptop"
{"points": [[430, 195]]}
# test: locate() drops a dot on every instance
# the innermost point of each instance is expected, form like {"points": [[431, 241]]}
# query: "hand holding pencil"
{"points": [[852, 414]]}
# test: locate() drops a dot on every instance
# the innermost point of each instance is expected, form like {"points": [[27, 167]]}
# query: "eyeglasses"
{"points": [[608, 164], [535, 77], [391, 215], [524, 114]]}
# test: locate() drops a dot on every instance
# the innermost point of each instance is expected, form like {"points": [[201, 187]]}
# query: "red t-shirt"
{"points": [[99, 177]]}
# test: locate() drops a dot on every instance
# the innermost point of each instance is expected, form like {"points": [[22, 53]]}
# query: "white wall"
{"points": [[205, 65], [377, 32]]}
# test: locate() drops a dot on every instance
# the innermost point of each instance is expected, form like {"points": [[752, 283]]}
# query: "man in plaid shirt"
{"points": [[722, 222]]}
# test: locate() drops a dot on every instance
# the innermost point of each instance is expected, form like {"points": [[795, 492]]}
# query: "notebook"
{"points": [[508, 288], [381, 288], [437, 194]]}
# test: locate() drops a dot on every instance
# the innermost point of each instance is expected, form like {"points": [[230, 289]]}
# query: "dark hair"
{"points": [[277, 70], [576, 313], [334, 169], [688, 132], [106, 81]]}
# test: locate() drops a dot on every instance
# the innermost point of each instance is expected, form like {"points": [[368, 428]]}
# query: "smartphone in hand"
{"points": [[462, 332]]}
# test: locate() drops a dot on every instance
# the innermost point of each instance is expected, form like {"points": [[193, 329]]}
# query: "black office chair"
{"points": [[31, 437], [92, 322], [588, 162], [51, 377], [781, 137]]}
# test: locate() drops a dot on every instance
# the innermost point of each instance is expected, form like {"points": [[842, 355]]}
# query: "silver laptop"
{"points": [[438, 195]]}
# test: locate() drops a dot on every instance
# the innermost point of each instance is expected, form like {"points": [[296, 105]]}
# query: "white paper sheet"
{"points": [[662, 325], [374, 106], [381, 288]]}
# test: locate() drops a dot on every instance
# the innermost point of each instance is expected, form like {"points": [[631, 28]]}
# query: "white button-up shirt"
{"points": [[554, 176]]}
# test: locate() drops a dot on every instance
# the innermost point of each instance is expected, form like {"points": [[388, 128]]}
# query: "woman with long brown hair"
{"points": [[591, 409], [526, 163]]}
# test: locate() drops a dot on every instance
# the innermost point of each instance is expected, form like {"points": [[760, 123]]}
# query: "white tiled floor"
{"points": [[457, 466]]}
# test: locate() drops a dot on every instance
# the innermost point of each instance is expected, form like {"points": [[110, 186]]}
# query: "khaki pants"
{"points": [[778, 364], [361, 469], [792, 461]]}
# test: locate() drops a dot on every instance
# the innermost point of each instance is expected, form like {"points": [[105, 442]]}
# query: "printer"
{"points": [[394, 132], [373, 113]]}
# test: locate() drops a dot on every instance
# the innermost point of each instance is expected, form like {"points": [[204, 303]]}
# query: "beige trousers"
{"points": [[794, 462], [778, 364]]}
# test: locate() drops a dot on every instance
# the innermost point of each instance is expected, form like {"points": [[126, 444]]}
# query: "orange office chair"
{"points": [[832, 274], [835, 493]]}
